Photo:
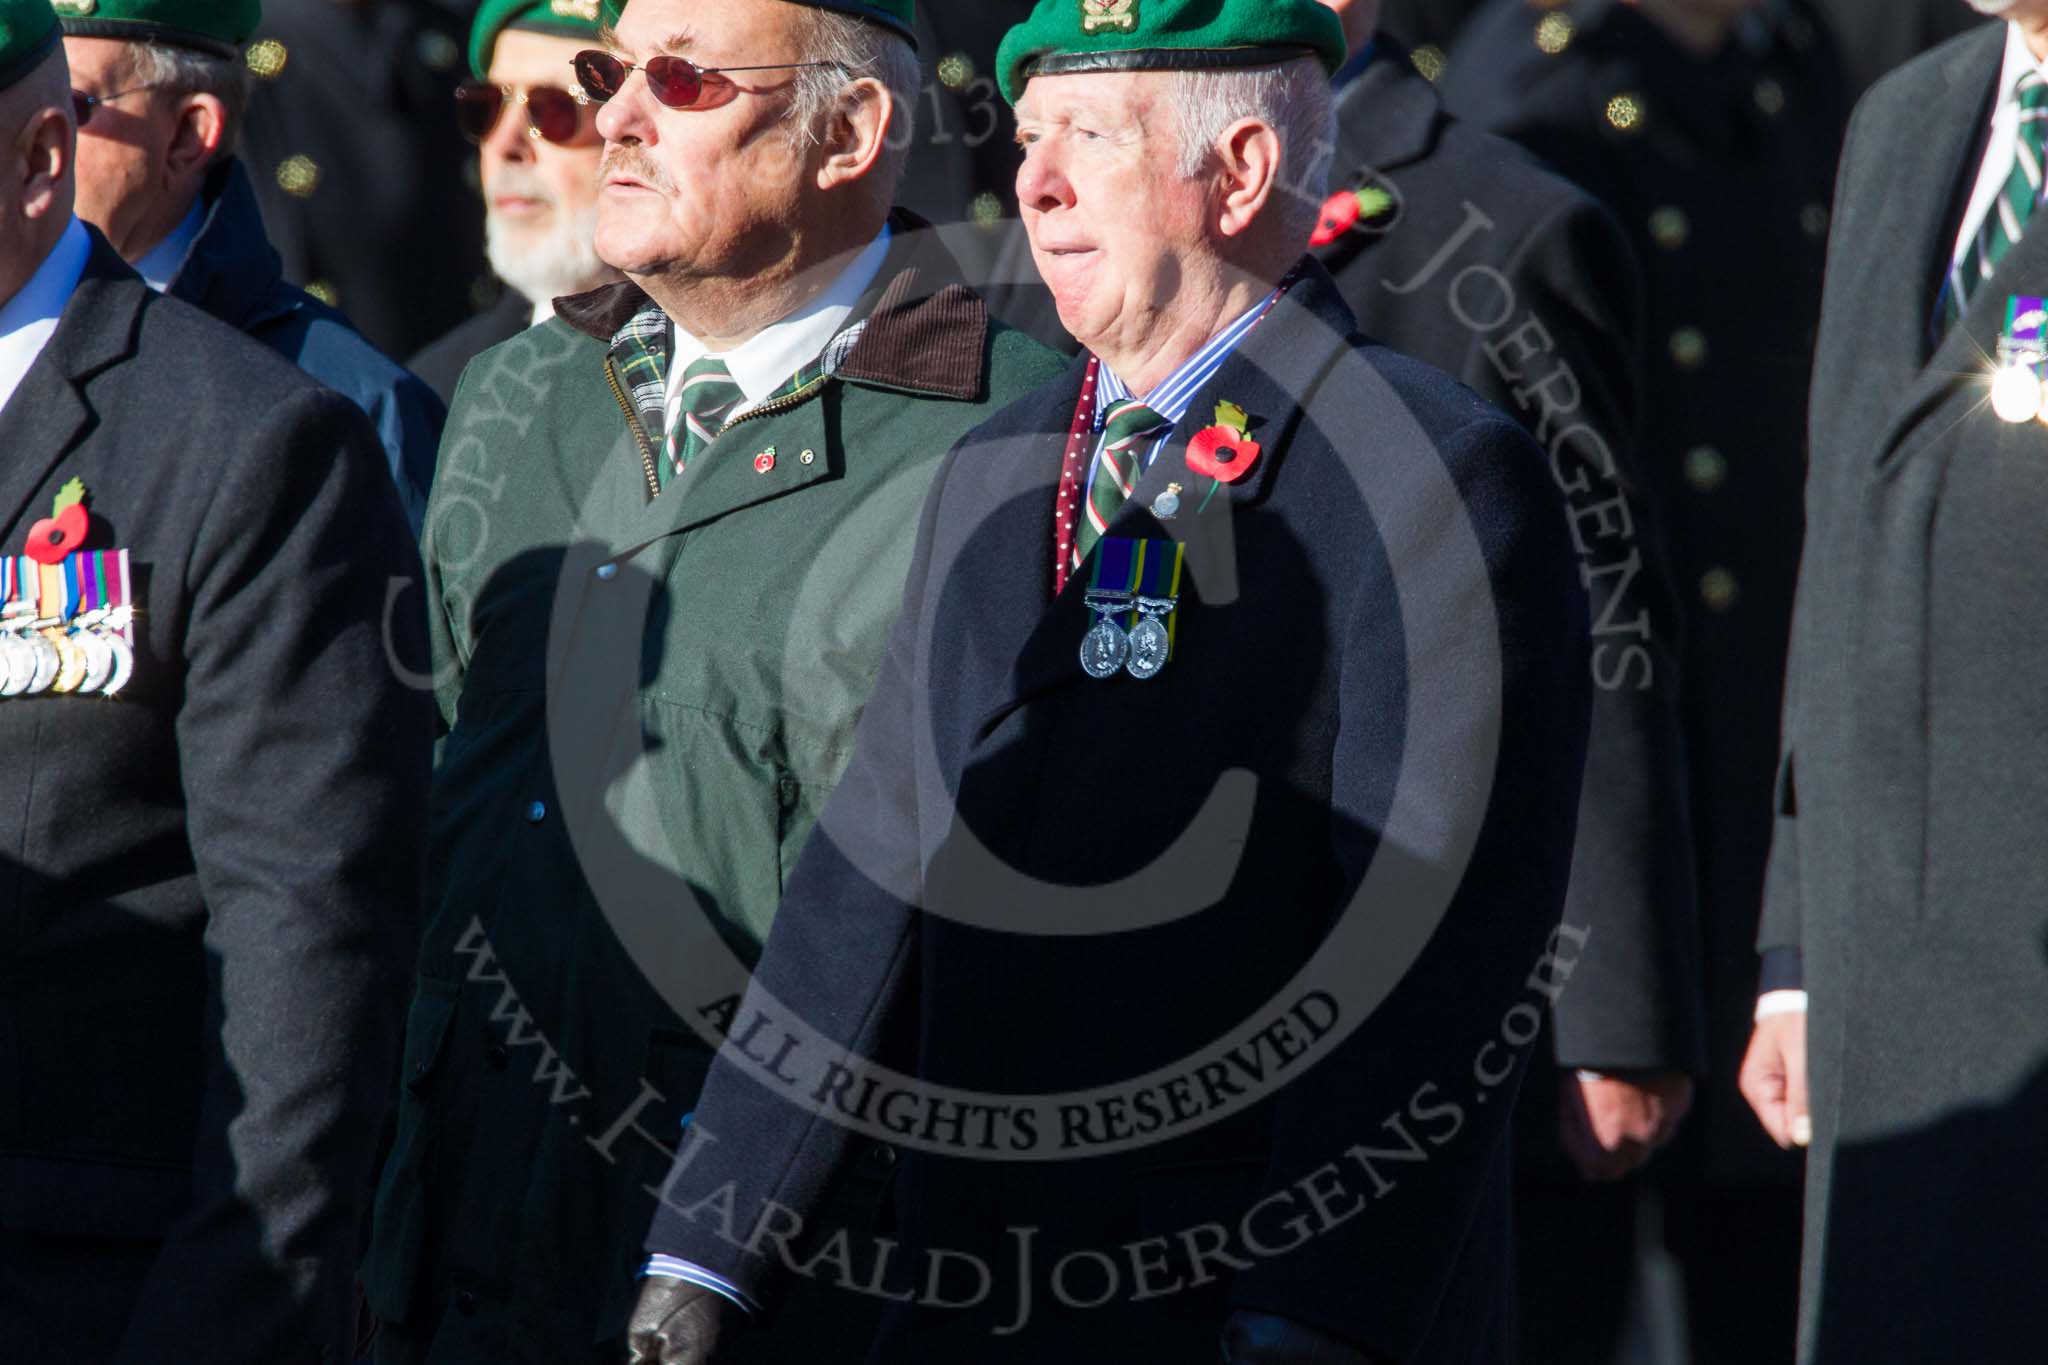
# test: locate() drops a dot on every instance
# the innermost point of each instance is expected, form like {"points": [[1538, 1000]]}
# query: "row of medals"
{"points": [[1141, 651], [89, 654]]}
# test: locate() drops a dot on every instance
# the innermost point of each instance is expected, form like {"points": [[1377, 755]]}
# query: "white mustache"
{"points": [[634, 162]]}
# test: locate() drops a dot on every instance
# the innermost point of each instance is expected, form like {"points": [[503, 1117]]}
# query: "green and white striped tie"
{"points": [[695, 413], [2015, 204], [1131, 426]]}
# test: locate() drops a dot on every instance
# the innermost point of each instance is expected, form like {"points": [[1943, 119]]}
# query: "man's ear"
{"points": [[45, 149], [856, 132], [201, 131], [1248, 174]]}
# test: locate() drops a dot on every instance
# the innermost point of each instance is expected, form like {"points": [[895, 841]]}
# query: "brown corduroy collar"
{"points": [[926, 333]]}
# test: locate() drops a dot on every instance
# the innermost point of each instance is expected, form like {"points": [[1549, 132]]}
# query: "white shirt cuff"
{"points": [[670, 1268], [1773, 1003]]}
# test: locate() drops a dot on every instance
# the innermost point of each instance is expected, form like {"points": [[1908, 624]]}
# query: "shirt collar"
{"points": [[28, 320], [1355, 65], [2019, 59], [1171, 396], [160, 265], [764, 363], [49, 289]]}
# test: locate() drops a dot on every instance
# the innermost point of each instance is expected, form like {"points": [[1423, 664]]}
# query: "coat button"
{"points": [[536, 811], [1628, 112], [298, 176], [1670, 228], [956, 71], [266, 58], [1706, 468], [1718, 589], [465, 1303], [607, 572], [1554, 33], [1688, 348], [1813, 220], [1770, 98], [496, 1057]]}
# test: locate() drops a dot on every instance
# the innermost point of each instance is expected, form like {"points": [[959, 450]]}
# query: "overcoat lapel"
{"points": [[1944, 163], [49, 414]]}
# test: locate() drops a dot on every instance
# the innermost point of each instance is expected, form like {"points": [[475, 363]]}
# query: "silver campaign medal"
{"points": [[17, 665], [1105, 647], [99, 660], [124, 665], [48, 663], [1150, 641]]}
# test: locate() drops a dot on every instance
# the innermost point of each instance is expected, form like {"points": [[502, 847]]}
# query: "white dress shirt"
{"points": [[765, 362], [160, 265], [29, 318], [2005, 139]]}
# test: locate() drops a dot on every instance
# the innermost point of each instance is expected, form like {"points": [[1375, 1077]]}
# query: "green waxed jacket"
{"points": [[647, 699]]}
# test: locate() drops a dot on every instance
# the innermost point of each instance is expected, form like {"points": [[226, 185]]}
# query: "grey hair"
{"points": [[177, 72], [1293, 99], [853, 48]]}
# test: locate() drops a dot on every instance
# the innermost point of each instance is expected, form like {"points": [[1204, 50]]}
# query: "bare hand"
{"points": [[1610, 1125], [674, 1323], [1773, 1079]]}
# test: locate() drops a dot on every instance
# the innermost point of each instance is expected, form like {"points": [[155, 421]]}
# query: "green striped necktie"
{"points": [[696, 412], [1130, 428], [2015, 204]]}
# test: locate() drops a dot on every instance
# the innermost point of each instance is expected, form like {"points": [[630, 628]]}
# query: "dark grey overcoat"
{"points": [[1908, 863]]}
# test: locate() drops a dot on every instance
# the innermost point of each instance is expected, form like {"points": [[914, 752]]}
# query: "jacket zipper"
{"points": [[773, 406], [639, 434]]}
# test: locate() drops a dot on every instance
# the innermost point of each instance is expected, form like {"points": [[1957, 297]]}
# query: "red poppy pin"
{"points": [[63, 531], [1225, 452], [1345, 210]]}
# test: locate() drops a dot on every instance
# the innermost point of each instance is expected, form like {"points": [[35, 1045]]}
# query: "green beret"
{"points": [[563, 18], [1066, 36], [28, 30], [898, 16], [215, 27]]}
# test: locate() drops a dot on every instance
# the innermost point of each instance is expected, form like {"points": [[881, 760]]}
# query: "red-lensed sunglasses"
{"points": [[676, 83], [551, 112]]}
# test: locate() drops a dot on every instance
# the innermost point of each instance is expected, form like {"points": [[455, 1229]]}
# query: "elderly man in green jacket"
{"points": [[669, 531]]}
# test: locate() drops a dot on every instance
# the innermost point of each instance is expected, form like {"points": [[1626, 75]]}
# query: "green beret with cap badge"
{"points": [[217, 28], [28, 30], [1064, 37], [562, 18]]}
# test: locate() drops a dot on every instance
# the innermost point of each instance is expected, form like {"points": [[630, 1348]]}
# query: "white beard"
{"points": [[564, 261]]}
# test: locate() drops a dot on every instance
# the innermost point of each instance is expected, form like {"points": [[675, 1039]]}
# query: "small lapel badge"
{"points": [[2016, 390], [1167, 505], [765, 461]]}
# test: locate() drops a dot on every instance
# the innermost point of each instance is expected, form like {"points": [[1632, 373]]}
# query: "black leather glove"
{"points": [[1262, 1339], [674, 1323]]}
